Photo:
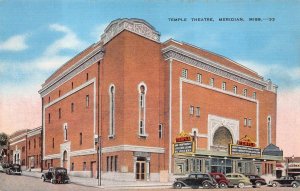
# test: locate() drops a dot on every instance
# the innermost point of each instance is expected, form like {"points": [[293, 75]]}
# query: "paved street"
{"points": [[27, 183]]}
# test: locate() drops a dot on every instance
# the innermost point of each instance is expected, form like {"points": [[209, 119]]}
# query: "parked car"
{"points": [[296, 182], [285, 181], [220, 178], [3, 167], [236, 179], [196, 180], [14, 169], [56, 175], [256, 180]]}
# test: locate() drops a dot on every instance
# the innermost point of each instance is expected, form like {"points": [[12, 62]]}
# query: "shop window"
{"points": [[191, 110], [199, 78], [211, 82], [235, 89], [184, 73], [112, 111], [224, 86]]}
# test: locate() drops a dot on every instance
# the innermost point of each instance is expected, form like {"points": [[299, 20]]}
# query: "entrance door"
{"points": [[140, 167], [93, 169], [65, 160]]}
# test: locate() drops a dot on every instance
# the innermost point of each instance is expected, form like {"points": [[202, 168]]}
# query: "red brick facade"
{"points": [[137, 94]]}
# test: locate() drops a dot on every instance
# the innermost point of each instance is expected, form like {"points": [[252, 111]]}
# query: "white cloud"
{"points": [[14, 43], [68, 41], [98, 31]]}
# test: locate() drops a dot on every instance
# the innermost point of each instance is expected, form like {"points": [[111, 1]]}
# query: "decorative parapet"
{"points": [[138, 26]]}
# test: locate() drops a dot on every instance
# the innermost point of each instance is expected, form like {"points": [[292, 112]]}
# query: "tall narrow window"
{"points": [[65, 131], [87, 76], [142, 109], [211, 82], [235, 89], [245, 122], [223, 85], [245, 92], [269, 121], [112, 111], [49, 99], [199, 78], [249, 122], [184, 73], [160, 131], [111, 162], [191, 110], [84, 166], [197, 111], [80, 138], [29, 145], [59, 113], [116, 163], [87, 101], [34, 143], [72, 166], [107, 163], [72, 107], [254, 95], [49, 117], [53, 142], [59, 93], [72, 85]]}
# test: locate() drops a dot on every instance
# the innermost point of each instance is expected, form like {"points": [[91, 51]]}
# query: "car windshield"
{"points": [[61, 171]]}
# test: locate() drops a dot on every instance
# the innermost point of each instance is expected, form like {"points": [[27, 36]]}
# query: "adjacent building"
{"points": [[141, 109]]}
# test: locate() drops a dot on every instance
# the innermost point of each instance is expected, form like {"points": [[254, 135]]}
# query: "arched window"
{"points": [[112, 111], [269, 125], [142, 109], [222, 137]]}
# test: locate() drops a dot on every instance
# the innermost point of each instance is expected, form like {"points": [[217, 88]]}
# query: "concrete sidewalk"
{"points": [[109, 184]]}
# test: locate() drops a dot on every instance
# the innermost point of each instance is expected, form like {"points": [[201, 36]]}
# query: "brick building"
{"points": [[25, 148], [138, 95]]}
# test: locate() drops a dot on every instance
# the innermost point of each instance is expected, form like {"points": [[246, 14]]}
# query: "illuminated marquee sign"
{"points": [[184, 144], [245, 147]]}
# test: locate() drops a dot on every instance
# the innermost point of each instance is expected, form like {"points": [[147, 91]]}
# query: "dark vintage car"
{"points": [[56, 175], [256, 180], [286, 181], [220, 178], [13, 169], [196, 180]]}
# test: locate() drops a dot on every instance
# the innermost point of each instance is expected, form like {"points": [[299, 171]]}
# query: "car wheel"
{"points": [[206, 185], [241, 185], [257, 184], [223, 185], [178, 185], [43, 178], [274, 184], [52, 181], [294, 185]]}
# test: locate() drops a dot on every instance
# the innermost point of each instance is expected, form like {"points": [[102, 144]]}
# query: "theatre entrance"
{"points": [[140, 167]]}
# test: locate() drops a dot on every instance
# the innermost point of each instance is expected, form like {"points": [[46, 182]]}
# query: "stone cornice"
{"points": [[81, 65], [137, 26], [173, 52]]}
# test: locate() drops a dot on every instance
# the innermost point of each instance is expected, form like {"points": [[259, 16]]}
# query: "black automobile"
{"points": [[57, 175], [256, 180], [196, 180], [285, 181], [13, 169]]}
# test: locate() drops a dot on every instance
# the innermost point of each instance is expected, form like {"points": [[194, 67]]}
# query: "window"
{"points": [[107, 163], [245, 92], [87, 76], [160, 131], [59, 113], [29, 145], [84, 166], [111, 111], [87, 101], [53, 142], [116, 163], [80, 138], [197, 111], [249, 122], [49, 117], [34, 143], [72, 166], [245, 122], [199, 78], [269, 126], [111, 162], [49, 99], [211, 82], [184, 73], [254, 95], [191, 110], [65, 131], [72, 85], [224, 86], [72, 107], [235, 89], [142, 88], [59, 93]]}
